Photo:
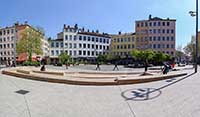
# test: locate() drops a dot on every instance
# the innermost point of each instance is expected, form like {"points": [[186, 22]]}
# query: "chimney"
{"points": [[26, 22], [76, 26], [150, 17], [64, 25], [83, 29], [88, 30], [97, 31], [17, 23]]}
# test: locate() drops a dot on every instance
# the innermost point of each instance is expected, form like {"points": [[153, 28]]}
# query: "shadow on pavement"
{"points": [[142, 94]]}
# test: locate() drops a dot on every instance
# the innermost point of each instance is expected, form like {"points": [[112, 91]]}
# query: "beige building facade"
{"points": [[156, 34], [122, 44]]}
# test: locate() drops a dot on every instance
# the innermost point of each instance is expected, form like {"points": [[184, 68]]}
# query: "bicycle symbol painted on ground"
{"points": [[141, 94]]}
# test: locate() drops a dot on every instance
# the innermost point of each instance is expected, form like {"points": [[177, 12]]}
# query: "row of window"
{"points": [[7, 53], [121, 53], [74, 45], [86, 46], [6, 32], [128, 53], [57, 44], [156, 31], [163, 46], [129, 39], [77, 53], [86, 38], [149, 24], [129, 46], [6, 39], [157, 46], [159, 38], [3, 59], [6, 46]]}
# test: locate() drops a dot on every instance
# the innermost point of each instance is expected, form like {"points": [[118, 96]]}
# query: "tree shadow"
{"points": [[142, 94]]}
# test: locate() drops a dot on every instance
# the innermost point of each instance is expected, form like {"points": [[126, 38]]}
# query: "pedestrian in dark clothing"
{"points": [[166, 69], [115, 67], [43, 68], [66, 66], [98, 67], [13, 64], [43, 62]]}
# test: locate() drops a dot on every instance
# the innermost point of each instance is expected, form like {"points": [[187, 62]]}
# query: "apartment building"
{"points": [[79, 43], [157, 34], [56, 48], [9, 36], [122, 44], [45, 48]]}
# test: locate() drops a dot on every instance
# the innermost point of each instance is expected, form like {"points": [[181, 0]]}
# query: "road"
{"points": [[168, 98]]}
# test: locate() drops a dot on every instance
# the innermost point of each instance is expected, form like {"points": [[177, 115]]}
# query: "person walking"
{"points": [[98, 66], [166, 69], [116, 67], [43, 62]]}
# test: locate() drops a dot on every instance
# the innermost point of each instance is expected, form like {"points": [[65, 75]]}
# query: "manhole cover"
{"points": [[22, 92]]}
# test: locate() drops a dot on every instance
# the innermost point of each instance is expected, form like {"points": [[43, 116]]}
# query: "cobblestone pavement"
{"points": [[177, 97]]}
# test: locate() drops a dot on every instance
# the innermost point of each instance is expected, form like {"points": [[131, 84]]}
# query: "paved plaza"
{"points": [[82, 67], [176, 97]]}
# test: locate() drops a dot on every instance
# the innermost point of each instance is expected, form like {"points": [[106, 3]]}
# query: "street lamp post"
{"points": [[196, 66], [193, 14]]}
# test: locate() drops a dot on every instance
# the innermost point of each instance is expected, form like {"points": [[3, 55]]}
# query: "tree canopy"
{"points": [[149, 55], [64, 58], [143, 55]]}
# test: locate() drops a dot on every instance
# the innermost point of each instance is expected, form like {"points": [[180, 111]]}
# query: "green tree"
{"points": [[30, 43], [101, 59], [168, 57], [64, 58], [144, 56], [159, 57]]}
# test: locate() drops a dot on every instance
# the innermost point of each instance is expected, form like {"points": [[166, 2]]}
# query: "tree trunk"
{"points": [[146, 66], [30, 56]]}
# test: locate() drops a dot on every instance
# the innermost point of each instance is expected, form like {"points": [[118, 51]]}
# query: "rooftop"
{"points": [[157, 19], [86, 32]]}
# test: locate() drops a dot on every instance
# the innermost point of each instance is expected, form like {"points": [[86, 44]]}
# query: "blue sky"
{"points": [[108, 16]]}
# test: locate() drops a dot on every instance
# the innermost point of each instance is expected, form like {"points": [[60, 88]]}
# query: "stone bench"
{"points": [[50, 72], [23, 71]]}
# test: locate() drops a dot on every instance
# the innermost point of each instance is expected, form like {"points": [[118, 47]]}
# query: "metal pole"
{"points": [[196, 58]]}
